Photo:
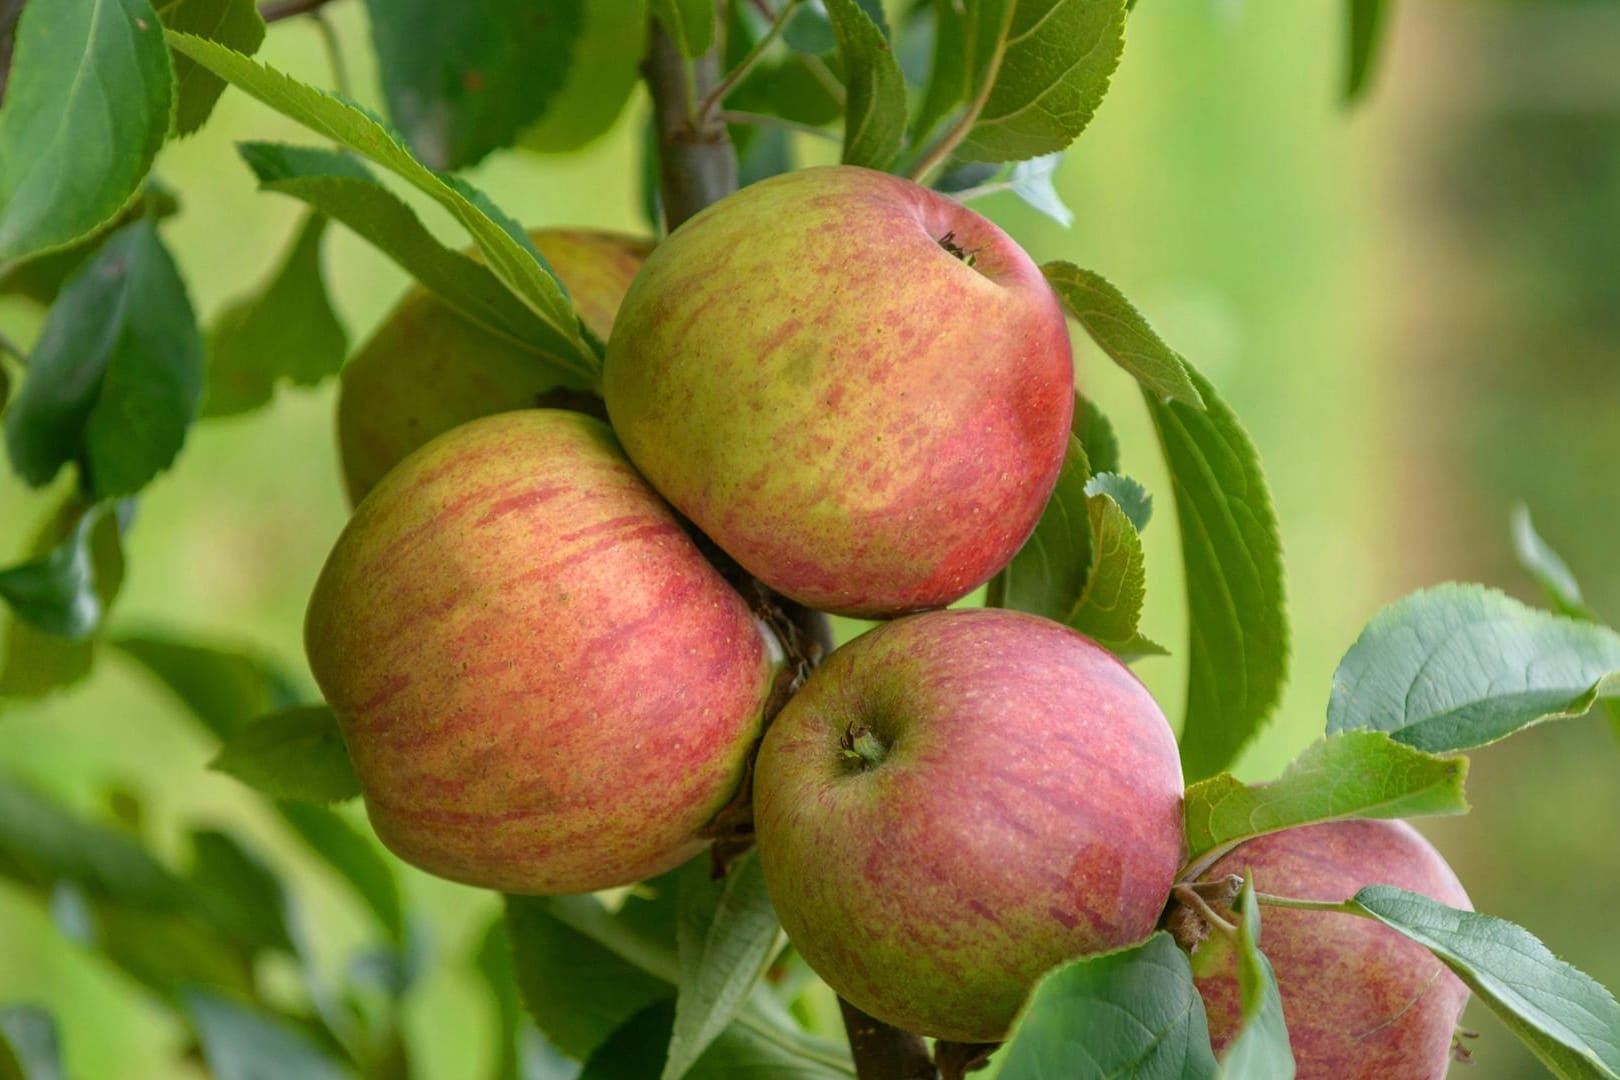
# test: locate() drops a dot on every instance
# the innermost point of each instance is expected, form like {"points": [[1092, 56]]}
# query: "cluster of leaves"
{"points": [[685, 975]]}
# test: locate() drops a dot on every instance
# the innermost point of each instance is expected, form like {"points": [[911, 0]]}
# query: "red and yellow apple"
{"points": [[857, 387], [427, 368], [955, 803], [544, 686], [1361, 1001]]}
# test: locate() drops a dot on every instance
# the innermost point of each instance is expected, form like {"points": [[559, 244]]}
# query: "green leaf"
{"points": [[690, 23], [243, 1043], [1096, 434], [41, 277], [505, 248], [287, 330], [36, 662], [296, 754], [791, 89], [636, 1051], [1131, 496], [1040, 68], [236, 24], [463, 79], [726, 934], [238, 892], [340, 187], [1547, 567], [28, 1033], [223, 689], [1048, 575], [605, 69], [1359, 774], [115, 377], [875, 109], [809, 31], [353, 856], [86, 107], [1569, 1021], [1121, 331], [947, 75], [1134, 1012], [1459, 666], [1260, 1050], [1366, 33], [1110, 606], [58, 593]]}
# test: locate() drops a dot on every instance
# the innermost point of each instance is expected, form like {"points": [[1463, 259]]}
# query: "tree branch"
{"points": [[697, 164], [883, 1052]]}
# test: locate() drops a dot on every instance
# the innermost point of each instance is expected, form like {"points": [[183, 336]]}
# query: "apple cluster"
{"points": [[859, 392]]}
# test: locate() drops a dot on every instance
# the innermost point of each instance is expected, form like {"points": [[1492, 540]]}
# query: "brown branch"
{"points": [[276, 10], [884, 1052], [697, 163]]}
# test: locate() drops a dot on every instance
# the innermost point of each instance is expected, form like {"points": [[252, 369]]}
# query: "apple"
{"points": [[1361, 1001], [858, 388], [543, 684], [958, 801], [427, 368]]}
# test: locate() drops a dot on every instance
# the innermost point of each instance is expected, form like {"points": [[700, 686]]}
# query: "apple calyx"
{"points": [[862, 747], [948, 242]]}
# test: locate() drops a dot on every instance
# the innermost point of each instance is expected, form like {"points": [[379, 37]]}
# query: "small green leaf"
{"points": [[1048, 574], [1121, 331], [58, 593], [238, 892], [792, 90], [809, 31], [340, 187], [636, 1051], [1569, 1021], [603, 74], [462, 80], [1260, 1050], [1134, 1012], [1096, 434], [236, 24], [87, 105], [287, 330], [726, 934], [353, 856], [1359, 774], [690, 24], [504, 246], [244, 1043], [1368, 19], [947, 75], [1110, 606], [1131, 496], [1040, 69], [28, 1034], [296, 754], [1547, 567], [875, 109], [115, 377], [223, 689], [1460, 666]]}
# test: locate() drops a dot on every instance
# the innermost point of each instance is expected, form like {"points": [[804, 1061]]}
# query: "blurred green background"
{"points": [[1415, 306]]}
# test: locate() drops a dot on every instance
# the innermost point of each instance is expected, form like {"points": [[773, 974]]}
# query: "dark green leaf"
{"points": [[242, 1043], [239, 893], [1121, 331], [58, 593], [726, 934], [636, 1051], [504, 247], [28, 1033], [793, 89], [287, 330], [1365, 38], [74, 146], [947, 76], [463, 79], [1459, 666], [690, 23], [355, 859], [1548, 569], [1260, 1050], [1040, 68], [296, 754], [1566, 1018], [494, 962], [1096, 434], [809, 31], [233, 23], [1361, 774], [875, 109], [599, 81], [1131, 496], [223, 689], [1110, 606], [338, 186], [1134, 1012], [41, 277], [115, 377], [1048, 574]]}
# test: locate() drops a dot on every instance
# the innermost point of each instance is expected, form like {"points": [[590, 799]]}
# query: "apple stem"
{"points": [[1190, 896], [862, 744], [1343, 907]]}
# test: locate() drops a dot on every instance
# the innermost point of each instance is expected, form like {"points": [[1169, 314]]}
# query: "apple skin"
{"points": [[543, 684], [1027, 810], [426, 368], [862, 420], [1361, 1001]]}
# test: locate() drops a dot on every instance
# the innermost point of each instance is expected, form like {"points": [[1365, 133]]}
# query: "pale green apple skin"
{"points": [[861, 419], [1027, 810], [544, 686], [1361, 1001], [427, 368]]}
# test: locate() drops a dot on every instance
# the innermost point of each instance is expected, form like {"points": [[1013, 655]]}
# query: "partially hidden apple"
{"points": [[1361, 1001], [544, 686], [427, 368], [955, 803], [859, 388]]}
